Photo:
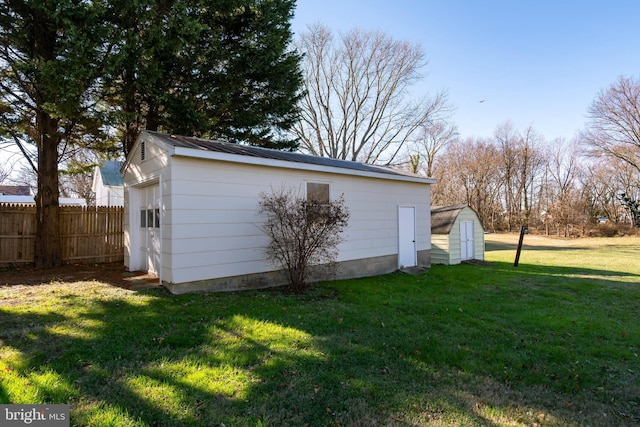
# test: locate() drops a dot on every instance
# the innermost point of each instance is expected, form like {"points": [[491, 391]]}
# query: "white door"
{"points": [[150, 228], [466, 240], [406, 236]]}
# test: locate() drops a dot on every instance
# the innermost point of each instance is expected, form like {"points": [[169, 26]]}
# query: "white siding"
{"points": [[153, 170], [215, 224], [109, 196], [446, 248], [440, 249], [467, 214], [210, 225]]}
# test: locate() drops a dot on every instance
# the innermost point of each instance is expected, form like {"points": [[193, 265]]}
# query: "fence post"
{"points": [[523, 231]]}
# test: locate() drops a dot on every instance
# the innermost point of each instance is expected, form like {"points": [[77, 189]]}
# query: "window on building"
{"points": [[318, 201], [150, 218], [318, 192]]}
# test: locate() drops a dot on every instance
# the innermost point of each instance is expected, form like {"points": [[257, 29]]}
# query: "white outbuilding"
{"points": [[108, 185], [456, 235], [192, 216]]}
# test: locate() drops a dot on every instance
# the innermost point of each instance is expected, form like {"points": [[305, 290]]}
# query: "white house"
{"points": [[21, 195], [456, 235], [108, 184], [191, 212]]}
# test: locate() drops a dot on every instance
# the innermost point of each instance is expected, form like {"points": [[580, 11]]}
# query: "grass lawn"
{"points": [[553, 342]]}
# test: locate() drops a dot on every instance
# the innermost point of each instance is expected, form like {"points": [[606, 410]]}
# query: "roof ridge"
{"points": [[271, 153]]}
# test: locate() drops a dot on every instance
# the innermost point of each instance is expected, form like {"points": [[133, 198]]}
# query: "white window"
{"points": [[150, 218]]}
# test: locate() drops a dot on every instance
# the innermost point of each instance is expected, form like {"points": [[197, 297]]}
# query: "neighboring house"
{"points": [[21, 195], [456, 235], [16, 194], [108, 185], [15, 190], [191, 212]]}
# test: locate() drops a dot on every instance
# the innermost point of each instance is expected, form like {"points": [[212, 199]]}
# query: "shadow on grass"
{"points": [[500, 246], [440, 347], [554, 271]]}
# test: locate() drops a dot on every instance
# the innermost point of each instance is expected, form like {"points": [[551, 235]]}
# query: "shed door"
{"points": [[150, 228], [466, 240], [406, 236]]}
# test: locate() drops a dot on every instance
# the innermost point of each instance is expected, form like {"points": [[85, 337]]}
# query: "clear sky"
{"points": [[534, 62]]}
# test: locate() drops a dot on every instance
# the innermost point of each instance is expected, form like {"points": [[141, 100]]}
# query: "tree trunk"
{"points": [[48, 250]]}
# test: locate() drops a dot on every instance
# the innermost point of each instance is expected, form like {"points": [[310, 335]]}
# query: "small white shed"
{"points": [[456, 235], [108, 185], [191, 212]]}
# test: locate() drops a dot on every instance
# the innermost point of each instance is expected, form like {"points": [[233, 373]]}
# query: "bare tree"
{"points": [[602, 181], [4, 174], [432, 139], [76, 175], [614, 131], [564, 168], [303, 234], [520, 162], [614, 127], [356, 104], [468, 174], [531, 165], [509, 141]]}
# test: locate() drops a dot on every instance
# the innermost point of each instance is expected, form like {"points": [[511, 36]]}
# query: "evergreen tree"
{"points": [[633, 206], [51, 54], [209, 68], [213, 69]]}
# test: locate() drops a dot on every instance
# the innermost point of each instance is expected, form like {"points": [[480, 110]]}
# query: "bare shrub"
{"points": [[302, 233], [612, 230]]}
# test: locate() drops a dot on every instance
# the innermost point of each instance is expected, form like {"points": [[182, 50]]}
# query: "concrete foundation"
{"points": [[342, 270]]}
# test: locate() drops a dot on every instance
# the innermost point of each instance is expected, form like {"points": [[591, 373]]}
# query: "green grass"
{"points": [[553, 342]]}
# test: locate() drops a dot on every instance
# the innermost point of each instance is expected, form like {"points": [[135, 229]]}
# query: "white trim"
{"points": [[317, 181], [415, 245], [134, 222], [464, 244], [199, 153], [161, 211]]}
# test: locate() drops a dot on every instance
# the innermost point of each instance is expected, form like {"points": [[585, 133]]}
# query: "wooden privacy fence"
{"points": [[87, 234]]}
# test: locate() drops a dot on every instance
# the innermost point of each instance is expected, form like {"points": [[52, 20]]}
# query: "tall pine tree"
{"points": [[69, 70], [51, 54], [208, 68]]}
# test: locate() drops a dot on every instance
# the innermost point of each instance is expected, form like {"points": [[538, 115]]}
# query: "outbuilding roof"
{"points": [[271, 154], [443, 218], [110, 174]]}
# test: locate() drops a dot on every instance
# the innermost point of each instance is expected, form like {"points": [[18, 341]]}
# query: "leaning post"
{"points": [[523, 231]]}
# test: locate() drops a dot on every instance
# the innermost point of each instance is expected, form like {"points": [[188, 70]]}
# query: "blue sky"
{"points": [[534, 62]]}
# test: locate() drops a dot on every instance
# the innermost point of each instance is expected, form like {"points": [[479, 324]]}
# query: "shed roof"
{"points": [[271, 154], [110, 173], [443, 218]]}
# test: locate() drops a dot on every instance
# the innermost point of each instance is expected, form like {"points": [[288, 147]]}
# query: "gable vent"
{"points": [[142, 151]]}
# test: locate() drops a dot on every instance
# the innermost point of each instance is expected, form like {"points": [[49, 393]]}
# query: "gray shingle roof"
{"points": [[266, 153], [443, 218]]}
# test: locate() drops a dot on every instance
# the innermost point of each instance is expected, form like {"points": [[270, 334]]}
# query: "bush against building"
{"points": [[304, 234]]}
